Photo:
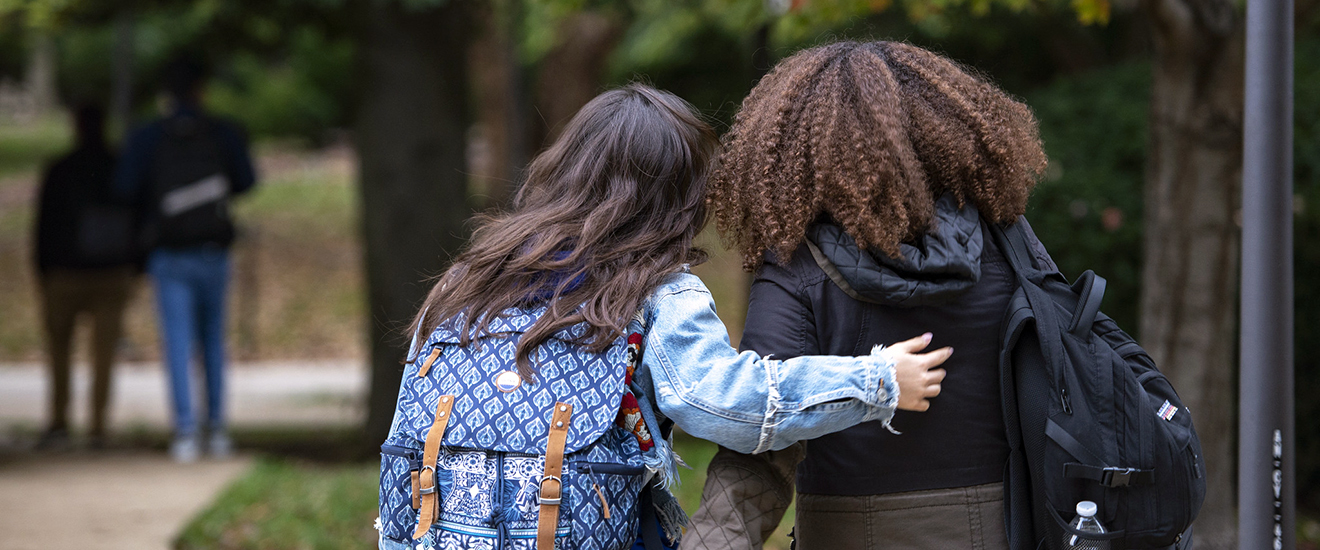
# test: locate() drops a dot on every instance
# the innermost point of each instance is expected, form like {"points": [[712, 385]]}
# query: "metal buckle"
{"points": [[1117, 477], [550, 501], [426, 490]]}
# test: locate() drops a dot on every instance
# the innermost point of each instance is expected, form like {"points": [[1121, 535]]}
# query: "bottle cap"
{"points": [[1086, 509]]}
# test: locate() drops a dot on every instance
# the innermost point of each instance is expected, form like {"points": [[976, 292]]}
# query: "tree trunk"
{"points": [[121, 102], [501, 143], [1191, 248], [40, 78], [572, 73], [410, 125]]}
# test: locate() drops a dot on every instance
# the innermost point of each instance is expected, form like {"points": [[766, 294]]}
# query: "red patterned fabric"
{"points": [[630, 414]]}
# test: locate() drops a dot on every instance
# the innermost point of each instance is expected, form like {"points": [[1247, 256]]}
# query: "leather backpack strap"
{"points": [[552, 486], [416, 487], [430, 360], [430, 498]]}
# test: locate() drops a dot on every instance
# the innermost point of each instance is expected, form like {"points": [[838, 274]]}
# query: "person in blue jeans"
{"points": [[182, 170]]}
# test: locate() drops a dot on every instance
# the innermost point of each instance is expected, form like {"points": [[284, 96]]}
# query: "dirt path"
{"points": [[128, 501]]}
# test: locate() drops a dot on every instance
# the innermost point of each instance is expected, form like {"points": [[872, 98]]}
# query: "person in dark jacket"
{"points": [[858, 181], [85, 266], [185, 168]]}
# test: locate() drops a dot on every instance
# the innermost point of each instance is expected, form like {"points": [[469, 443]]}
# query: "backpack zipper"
{"points": [[609, 468], [604, 506]]}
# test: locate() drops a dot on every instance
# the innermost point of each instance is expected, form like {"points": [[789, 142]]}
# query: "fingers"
{"points": [[932, 359], [919, 374], [914, 345], [930, 389]]}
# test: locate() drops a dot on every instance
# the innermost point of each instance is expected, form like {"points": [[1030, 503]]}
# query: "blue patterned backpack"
{"points": [[478, 458]]}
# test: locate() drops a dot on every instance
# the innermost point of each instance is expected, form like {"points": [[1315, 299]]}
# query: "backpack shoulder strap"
{"points": [[1016, 248], [1020, 246]]}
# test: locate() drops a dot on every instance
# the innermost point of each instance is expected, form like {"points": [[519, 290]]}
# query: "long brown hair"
{"points": [[870, 135], [607, 212]]}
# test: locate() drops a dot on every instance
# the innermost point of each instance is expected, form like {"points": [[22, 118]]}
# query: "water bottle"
{"points": [[1086, 523]]}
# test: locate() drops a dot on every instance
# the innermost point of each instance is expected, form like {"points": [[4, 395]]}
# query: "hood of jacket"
{"points": [[934, 269]]}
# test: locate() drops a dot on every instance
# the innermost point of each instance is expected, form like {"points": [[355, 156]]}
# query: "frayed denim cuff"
{"points": [[885, 386]]}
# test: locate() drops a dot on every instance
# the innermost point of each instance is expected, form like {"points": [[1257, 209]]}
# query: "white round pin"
{"points": [[507, 381]]}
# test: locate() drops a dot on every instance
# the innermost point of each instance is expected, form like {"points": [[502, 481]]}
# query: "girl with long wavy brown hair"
{"points": [[859, 181], [592, 258]]}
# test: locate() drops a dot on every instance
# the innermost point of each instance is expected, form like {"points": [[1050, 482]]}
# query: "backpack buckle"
{"points": [[558, 491], [424, 489], [1117, 477]]}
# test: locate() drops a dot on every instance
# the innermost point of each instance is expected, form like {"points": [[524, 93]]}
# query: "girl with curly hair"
{"points": [[858, 181]]}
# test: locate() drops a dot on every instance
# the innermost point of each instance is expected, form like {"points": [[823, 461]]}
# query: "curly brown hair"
{"points": [[870, 134]]}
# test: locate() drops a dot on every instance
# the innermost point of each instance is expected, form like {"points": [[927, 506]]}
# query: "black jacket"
{"points": [[74, 189], [832, 298]]}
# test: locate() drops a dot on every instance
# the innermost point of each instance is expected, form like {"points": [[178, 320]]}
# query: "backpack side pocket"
{"points": [[605, 511], [399, 466]]}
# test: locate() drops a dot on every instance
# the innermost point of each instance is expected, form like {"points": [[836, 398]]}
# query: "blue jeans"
{"points": [[190, 294]]}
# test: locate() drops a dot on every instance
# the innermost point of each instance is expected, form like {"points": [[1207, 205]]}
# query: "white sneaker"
{"points": [[185, 449], [220, 446]]}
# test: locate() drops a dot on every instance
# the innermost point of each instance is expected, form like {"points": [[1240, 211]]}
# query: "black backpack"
{"points": [[1088, 417], [106, 234], [104, 230], [190, 186]]}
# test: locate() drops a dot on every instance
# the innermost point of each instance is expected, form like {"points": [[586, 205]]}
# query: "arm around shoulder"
{"points": [[746, 402]]}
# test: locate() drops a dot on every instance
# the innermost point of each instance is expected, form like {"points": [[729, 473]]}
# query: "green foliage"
{"points": [[304, 95], [39, 13], [278, 81], [1094, 129], [714, 78], [931, 16], [290, 505], [663, 32], [1306, 266]]}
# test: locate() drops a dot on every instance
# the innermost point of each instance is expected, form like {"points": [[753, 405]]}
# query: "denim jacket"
{"points": [[743, 401]]}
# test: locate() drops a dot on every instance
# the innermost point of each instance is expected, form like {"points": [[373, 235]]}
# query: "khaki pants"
{"points": [[102, 294], [969, 518]]}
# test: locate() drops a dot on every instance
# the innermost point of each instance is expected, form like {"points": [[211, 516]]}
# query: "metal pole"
{"points": [[1266, 482]]}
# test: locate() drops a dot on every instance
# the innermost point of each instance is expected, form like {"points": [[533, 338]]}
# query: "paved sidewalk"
{"points": [[114, 501], [316, 393], [137, 500]]}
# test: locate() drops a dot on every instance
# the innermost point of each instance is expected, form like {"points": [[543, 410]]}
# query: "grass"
{"points": [[282, 504], [298, 504], [24, 146]]}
